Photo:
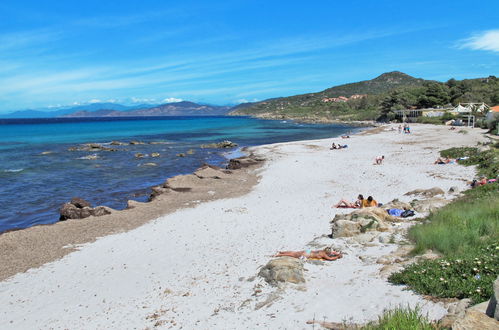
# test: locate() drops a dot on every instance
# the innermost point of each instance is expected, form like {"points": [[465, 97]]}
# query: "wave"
{"points": [[13, 170]]}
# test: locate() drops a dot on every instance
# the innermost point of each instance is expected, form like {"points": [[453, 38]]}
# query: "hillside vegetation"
{"points": [[376, 98]]}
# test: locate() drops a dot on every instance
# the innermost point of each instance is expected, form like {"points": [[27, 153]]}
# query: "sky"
{"points": [[55, 53]]}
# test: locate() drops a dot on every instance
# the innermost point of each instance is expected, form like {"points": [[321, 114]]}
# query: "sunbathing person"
{"points": [[346, 204], [326, 254], [443, 160], [379, 160], [369, 202]]}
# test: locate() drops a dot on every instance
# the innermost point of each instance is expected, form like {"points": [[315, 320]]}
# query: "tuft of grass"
{"points": [[401, 318]]}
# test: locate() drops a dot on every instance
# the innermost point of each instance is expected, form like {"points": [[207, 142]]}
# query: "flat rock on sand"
{"points": [[192, 267]]}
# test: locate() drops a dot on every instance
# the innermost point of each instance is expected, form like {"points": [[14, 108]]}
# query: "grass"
{"points": [[401, 318], [464, 225], [465, 233]]}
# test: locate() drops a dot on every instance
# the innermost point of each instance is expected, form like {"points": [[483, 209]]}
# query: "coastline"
{"points": [[187, 265]]}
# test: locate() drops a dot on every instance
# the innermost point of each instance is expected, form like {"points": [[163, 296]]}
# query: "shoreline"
{"points": [[200, 261]]}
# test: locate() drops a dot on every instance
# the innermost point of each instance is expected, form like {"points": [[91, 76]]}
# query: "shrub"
{"points": [[469, 276]]}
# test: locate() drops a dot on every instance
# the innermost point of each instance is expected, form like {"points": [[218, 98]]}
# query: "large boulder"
{"points": [[361, 221], [429, 205], [493, 307], [426, 192], [474, 319], [80, 202], [283, 270]]}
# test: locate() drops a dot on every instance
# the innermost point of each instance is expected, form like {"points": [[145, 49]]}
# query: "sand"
{"points": [[195, 267]]}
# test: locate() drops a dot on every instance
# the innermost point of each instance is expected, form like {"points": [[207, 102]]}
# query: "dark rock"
{"points": [[181, 154], [242, 162], [80, 202], [118, 143], [136, 142], [69, 211], [493, 307]]}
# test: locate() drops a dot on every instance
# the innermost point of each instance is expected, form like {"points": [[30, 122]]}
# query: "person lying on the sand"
{"points": [[337, 146], [346, 204], [443, 160], [326, 254], [345, 136]]}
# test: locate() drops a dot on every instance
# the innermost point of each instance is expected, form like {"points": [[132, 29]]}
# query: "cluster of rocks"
{"points": [[92, 147], [220, 145], [79, 208]]}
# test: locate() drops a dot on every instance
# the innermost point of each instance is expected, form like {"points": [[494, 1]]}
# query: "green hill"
{"points": [[317, 106], [372, 99]]}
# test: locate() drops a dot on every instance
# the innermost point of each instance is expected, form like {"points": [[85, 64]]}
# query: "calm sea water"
{"points": [[34, 185]]}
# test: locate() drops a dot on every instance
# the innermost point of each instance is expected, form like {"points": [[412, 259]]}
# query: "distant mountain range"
{"points": [[63, 111], [184, 108]]}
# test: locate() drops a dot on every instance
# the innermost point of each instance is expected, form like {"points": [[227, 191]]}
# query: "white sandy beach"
{"points": [[193, 268]]}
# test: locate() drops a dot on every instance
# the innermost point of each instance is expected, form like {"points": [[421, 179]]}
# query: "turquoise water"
{"points": [[35, 185]]}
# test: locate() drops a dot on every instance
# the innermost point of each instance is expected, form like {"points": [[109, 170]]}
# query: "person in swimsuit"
{"points": [[346, 204], [326, 254]]}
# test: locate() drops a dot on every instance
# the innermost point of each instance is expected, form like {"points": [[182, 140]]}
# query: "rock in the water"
{"points": [[493, 307], [69, 211], [181, 154], [190, 152], [155, 154], [79, 208], [283, 269], [220, 145], [80, 202], [139, 155], [46, 152], [117, 143], [426, 192], [150, 164], [136, 142], [91, 147]]}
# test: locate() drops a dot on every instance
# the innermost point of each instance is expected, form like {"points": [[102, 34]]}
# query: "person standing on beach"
{"points": [[379, 160]]}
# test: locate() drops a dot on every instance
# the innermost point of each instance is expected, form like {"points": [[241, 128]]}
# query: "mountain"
{"points": [[320, 103], [63, 111], [184, 108]]}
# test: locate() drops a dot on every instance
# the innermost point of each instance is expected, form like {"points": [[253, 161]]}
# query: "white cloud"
{"points": [[171, 100], [487, 40], [94, 101]]}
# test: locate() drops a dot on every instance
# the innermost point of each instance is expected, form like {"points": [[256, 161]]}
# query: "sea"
{"points": [[40, 168]]}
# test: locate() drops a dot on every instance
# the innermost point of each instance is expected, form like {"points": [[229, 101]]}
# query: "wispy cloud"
{"points": [[486, 40]]}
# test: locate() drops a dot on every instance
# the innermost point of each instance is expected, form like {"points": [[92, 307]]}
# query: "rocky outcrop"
{"points": [[118, 143], [220, 145], [361, 221], [283, 270], [426, 192], [242, 162], [79, 208], [212, 172], [396, 204], [493, 306], [429, 205]]}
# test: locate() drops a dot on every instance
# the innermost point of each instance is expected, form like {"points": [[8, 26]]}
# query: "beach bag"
{"points": [[407, 213]]}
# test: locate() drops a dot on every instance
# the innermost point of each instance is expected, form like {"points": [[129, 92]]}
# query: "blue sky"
{"points": [[224, 52]]}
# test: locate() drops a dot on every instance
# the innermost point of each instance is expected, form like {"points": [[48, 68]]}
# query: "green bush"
{"points": [[401, 318], [469, 276]]}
